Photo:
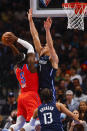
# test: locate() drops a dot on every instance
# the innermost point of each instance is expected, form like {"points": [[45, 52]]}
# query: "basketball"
{"points": [[5, 40]]}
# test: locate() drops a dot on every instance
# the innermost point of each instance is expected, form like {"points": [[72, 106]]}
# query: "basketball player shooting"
{"points": [[27, 76]]}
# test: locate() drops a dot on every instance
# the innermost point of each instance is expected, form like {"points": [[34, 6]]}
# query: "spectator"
{"points": [[10, 105], [83, 111], [75, 126], [75, 63], [73, 53], [63, 69], [67, 79], [60, 96], [62, 85], [74, 75], [70, 102], [75, 83], [68, 83], [79, 96], [11, 119]]}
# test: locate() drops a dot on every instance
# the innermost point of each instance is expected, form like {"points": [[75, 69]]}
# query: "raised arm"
{"points": [[63, 109], [34, 33], [53, 55], [14, 50], [12, 38]]}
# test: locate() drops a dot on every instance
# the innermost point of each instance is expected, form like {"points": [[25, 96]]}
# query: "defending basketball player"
{"points": [[27, 76], [49, 113], [48, 59]]}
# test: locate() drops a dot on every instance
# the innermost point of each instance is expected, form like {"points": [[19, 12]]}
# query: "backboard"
{"points": [[53, 9]]}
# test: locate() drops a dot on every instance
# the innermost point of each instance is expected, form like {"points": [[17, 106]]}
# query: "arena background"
{"points": [[70, 45]]}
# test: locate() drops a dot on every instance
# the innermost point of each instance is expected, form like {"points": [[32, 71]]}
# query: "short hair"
{"points": [[29, 55], [46, 95], [19, 59]]}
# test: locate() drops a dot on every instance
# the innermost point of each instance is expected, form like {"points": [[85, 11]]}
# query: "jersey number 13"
{"points": [[48, 118]]}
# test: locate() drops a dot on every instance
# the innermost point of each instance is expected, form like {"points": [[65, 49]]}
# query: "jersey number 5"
{"points": [[22, 77], [48, 118]]}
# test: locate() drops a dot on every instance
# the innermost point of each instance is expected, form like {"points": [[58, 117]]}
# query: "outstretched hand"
{"points": [[47, 23], [29, 14]]}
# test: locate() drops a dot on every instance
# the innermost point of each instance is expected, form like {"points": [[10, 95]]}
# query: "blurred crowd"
{"points": [[71, 77]]}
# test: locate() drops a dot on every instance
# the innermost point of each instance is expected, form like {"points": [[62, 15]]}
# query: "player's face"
{"points": [[45, 50], [31, 58]]}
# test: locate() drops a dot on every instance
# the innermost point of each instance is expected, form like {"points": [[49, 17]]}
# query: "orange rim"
{"points": [[73, 4], [77, 5]]}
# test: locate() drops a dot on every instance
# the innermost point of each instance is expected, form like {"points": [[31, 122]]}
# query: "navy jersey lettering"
{"points": [[49, 117]]}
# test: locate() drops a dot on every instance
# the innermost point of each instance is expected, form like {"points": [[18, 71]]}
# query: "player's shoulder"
{"points": [[41, 106]]}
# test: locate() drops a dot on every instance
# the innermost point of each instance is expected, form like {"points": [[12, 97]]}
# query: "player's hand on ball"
{"points": [[29, 14], [8, 38]]}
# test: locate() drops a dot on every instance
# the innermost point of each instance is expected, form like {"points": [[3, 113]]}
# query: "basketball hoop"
{"points": [[75, 13]]}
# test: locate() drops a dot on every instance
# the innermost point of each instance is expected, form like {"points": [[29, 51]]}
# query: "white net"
{"points": [[76, 16]]}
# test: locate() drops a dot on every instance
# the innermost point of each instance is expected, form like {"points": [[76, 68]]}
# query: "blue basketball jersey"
{"points": [[49, 117], [46, 75]]}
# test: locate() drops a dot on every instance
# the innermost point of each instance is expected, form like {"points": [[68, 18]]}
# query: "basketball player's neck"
{"points": [[32, 68]]}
